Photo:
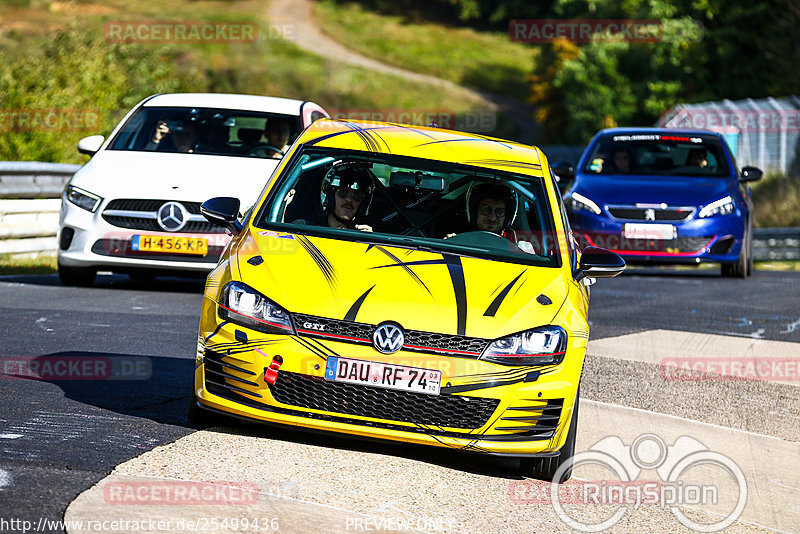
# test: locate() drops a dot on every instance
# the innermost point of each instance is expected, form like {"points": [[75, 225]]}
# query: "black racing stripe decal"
{"points": [[353, 311], [407, 263], [520, 286], [406, 268], [325, 137], [478, 139], [456, 271], [406, 127], [327, 350], [216, 330], [312, 348], [505, 163], [319, 258], [449, 390], [498, 300]]}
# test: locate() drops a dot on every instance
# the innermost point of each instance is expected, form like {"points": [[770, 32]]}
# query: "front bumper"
{"points": [[715, 239], [87, 240], [483, 407]]}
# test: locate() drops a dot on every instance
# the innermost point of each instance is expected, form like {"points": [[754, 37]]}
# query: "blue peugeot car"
{"points": [[663, 197]]}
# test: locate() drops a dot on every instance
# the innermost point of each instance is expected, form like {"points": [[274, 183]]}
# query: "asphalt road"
{"points": [[58, 438]]}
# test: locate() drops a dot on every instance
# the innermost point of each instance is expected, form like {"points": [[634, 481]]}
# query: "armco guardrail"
{"points": [[776, 244], [30, 200]]}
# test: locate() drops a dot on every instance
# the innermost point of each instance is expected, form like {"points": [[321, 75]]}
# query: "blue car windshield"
{"points": [[657, 154], [412, 203]]}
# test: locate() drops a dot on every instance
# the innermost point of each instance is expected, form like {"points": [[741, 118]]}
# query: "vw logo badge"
{"points": [[649, 214], [388, 338], [172, 216]]}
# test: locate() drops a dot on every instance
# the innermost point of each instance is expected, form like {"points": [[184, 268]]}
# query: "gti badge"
{"points": [[649, 214], [172, 216], [388, 338]]}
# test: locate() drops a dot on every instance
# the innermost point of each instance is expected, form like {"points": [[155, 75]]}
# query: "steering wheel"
{"points": [[480, 238], [261, 150]]}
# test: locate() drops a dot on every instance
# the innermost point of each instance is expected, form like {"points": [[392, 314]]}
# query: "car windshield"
{"points": [[413, 203], [657, 154], [222, 132]]}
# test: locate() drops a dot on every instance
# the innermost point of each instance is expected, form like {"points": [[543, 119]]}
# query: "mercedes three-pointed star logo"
{"points": [[172, 216]]}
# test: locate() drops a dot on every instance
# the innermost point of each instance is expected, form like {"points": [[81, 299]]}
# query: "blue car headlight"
{"points": [[579, 202], [723, 206], [244, 305], [82, 199], [540, 346]]}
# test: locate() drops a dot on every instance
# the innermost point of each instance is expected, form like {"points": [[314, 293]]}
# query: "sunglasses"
{"points": [[487, 210], [343, 193]]}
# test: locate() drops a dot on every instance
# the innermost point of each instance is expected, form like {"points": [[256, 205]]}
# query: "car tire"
{"points": [[546, 468], [738, 268], [76, 276]]}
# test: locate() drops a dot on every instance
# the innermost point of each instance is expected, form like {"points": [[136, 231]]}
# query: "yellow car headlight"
{"points": [[540, 346], [241, 304]]}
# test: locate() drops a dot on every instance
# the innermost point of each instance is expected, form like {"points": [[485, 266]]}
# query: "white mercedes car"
{"points": [[134, 208]]}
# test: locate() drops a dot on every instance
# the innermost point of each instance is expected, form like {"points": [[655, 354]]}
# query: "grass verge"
{"points": [[481, 60], [57, 56], [28, 264]]}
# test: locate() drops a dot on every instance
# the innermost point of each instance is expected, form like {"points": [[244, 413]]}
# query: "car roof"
{"points": [[654, 130], [426, 143], [270, 104]]}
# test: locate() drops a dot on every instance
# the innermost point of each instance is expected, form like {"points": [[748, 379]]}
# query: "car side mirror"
{"points": [[751, 174], [222, 211], [565, 173], [599, 263], [90, 145]]}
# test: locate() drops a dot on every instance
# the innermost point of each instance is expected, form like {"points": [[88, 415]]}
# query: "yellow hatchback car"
{"points": [[403, 283]]}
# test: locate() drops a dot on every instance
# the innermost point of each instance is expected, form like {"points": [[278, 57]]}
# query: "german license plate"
{"points": [[649, 231], [173, 245], [383, 375]]}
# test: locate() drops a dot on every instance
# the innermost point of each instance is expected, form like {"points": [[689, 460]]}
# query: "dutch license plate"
{"points": [[383, 375], [173, 245], [648, 231]]}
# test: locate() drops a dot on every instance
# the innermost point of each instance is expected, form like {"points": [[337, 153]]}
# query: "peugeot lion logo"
{"points": [[172, 216], [388, 338], [649, 214]]}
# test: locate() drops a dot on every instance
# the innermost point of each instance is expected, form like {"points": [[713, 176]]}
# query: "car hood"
{"points": [[673, 190], [189, 177], [420, 290]]}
